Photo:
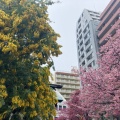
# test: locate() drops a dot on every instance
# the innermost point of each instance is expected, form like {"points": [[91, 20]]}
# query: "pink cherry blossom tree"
{"points": [[100, 93], [73, 111], [101, 87]]}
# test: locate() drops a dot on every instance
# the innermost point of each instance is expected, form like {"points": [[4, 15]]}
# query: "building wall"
{"points": [[70, 82], [61, 100], [60, 106], [87, 41], [110, 19]]}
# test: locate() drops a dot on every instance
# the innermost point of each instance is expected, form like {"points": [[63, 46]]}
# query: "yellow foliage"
{"points": [[15, 99], [36, 34], [4, 37], [41, 27], [39, 55], [34, 95], [11, 47], [36, 88], [27, 104], [36, 62], [1, 62], [33, 46], [25, 50], [17, 21], [22, 2], [3, 15], [27, 42], [6, 29], [2, 80], [33, 114], [7, 1], [2, 24], [2, 87], [45, 48]]}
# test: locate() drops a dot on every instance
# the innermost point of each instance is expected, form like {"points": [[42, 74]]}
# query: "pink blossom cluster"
{"points": [[100, 93]]}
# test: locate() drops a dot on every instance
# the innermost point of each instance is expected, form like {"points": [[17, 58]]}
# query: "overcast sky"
{"points": [[64, 17]]}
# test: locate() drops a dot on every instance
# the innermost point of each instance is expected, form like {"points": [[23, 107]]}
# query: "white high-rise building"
{"points": [[87, 41]]}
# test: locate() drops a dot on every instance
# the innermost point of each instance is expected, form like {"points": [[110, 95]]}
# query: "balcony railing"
{"points": [[110, 30], [106, 9], [109, 22], [110, 11]]}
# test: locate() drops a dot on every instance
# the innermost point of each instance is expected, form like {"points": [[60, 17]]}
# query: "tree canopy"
{"points": [[99, 96], [73, 110], [101, 87], [27, 43]]}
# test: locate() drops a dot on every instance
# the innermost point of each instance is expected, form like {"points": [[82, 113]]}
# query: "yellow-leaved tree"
{"points": [[27, 42]]}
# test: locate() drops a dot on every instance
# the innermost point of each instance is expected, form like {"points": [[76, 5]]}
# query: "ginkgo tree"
{"points": [[27, 43]]}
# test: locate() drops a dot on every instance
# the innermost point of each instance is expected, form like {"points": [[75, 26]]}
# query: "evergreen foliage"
{"points": [[27, 42]]}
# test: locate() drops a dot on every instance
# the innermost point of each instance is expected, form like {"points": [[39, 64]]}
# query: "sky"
{"points": [[64, 16]]}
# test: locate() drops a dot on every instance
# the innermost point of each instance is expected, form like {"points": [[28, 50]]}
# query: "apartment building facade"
{"points": [[70, 82], [109, 21], [86, 38]]}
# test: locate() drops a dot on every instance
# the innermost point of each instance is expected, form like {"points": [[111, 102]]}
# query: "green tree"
{"points": [[27, 42]]}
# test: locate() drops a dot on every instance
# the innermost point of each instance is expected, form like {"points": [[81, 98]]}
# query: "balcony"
{"points": [[106, 9], [109, 32], [108, 15], [68, 82], [61, 82], [107, 25]]}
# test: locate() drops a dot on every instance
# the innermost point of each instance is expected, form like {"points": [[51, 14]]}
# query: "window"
{"points": [[79, 60], [77, 36], [82, 56], [91, 14], [87, 35], [81, 43], [87, 42], [80, 31], [77, 30], [87, 27], [79, 26], [89, 49], [93, 62], [98, 16], [82, 14], [94, 18], [83, 63], [80, 37], [89, 57], [79, 20], [84, 31], [103, 24], [60, 107], [90, 65], [64, 107], [95, 12], [82, 49]]}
